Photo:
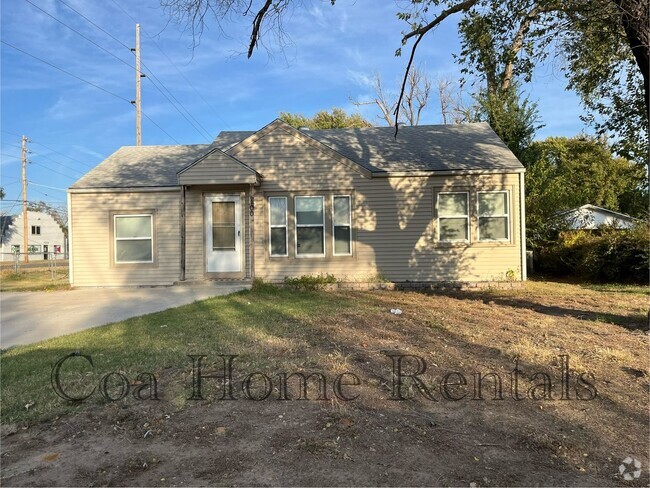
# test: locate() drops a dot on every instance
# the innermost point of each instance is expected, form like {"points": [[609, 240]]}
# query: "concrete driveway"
{"points": [[27, 317]]}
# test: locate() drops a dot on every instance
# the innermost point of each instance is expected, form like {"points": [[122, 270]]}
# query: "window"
{"points": [[224, 226], [133, 238], [453, 217], [33, 248], [310, 226], [36, 230], [493, 216], [278, 226], [341, 225], [15, 248]]}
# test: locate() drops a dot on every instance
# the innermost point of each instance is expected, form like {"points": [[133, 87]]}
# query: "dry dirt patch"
{"points": [[376, 440]]}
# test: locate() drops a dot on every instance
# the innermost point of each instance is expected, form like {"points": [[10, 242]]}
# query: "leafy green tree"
{"points": [[512, 116], [601, 45], [336, 119], [2, 193], [564, 173]]}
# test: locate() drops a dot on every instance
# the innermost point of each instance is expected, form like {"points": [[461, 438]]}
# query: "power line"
{"points": [[205, 132], [66, 72], [154, 123], [64, 155], [11, 133], [46, 147], [88, 82], [173, 64], [54, 171], [46, 157], [57, 162], [152, 77], [46, 186], [47, 195], [78, 33], [104, 31]]}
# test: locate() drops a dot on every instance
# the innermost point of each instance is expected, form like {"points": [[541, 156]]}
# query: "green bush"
{"points": [[605, 255], [310, 282], [260, 286]]}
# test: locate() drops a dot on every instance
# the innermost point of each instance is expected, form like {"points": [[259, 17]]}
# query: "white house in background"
{"points": [[591, 217], [45, 236]]}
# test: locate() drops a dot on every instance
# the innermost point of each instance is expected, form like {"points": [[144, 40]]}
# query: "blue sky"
{"points": [[331, 59]]}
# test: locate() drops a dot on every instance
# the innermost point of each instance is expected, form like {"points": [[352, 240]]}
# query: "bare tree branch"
{"points": [[419, 33], [257, 22]]}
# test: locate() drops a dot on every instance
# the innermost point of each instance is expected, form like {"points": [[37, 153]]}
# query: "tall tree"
{"points": [[336, 119], [512, 116], [552, 184], [526, 31], [602, 46], [415, 99]]}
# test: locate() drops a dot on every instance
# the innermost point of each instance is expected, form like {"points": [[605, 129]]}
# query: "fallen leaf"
{"points": [[51, 457]]}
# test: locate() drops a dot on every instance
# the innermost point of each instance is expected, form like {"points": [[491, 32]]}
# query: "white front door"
{"points": [[223, 233]]}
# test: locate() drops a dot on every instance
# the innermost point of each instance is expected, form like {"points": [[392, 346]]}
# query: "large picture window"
{"points": [[278, 226], [493, 216], [453, 217], [133, 238], [342, 225], [310, 226]]}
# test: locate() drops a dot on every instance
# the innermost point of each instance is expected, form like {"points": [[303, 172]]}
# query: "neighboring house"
{"points": [[591, 217], [437, 203], [45, 237]]}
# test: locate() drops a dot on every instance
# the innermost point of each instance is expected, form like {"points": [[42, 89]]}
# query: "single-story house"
{"points": [[45, 237], [437, 203], [591, 217]]}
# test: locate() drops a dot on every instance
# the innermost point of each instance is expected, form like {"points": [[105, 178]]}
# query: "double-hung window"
{"points": [[278, 226], [493, 216], [133, 238], [310, 226], [341, 225], [453, 216]]}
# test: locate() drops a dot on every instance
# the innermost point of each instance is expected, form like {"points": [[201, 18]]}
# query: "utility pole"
{"points": [[138, 97], [23, 155]]}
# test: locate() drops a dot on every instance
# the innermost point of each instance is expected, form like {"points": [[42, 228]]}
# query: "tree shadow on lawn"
{"points": [[551, 434], [418, 441], [631, 322]]}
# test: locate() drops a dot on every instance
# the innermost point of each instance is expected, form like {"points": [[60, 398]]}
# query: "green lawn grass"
{"points": [[34, 279], [275, 329], [260, 327]]}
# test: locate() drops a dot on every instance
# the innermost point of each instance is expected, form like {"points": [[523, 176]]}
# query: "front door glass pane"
{"points": [[223, 226]]}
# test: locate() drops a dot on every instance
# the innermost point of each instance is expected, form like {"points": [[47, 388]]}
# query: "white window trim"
{"points": [[295, 237], [464, 216], [507, 215], [115, 238], [285, 226], [334, 253]]}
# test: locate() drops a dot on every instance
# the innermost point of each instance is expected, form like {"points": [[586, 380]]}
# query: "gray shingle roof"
{"points": [[142, 166], [421, 148]]}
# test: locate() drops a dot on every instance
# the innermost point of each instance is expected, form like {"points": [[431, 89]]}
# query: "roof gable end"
{"points": [[217, 167], [278, 124]]}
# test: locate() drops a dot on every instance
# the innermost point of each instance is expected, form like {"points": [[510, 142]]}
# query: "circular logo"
{"points": [[630, 468]]}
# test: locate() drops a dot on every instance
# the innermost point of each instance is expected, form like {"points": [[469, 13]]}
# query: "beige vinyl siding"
{"points": [[195, 230], [394, 220], [92, 240], [216, 170]]}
